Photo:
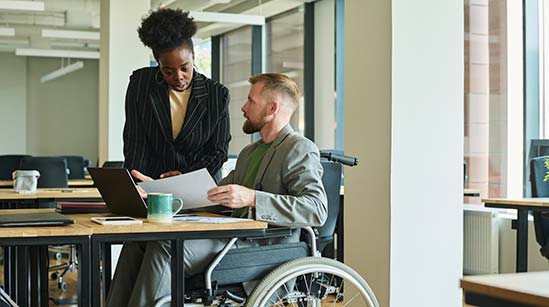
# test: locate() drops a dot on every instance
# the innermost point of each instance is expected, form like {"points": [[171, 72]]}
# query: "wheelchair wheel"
{"points": [[312, 281]]}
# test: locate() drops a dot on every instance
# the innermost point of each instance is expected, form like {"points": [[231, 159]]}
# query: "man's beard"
{"points": [[248, 127]]}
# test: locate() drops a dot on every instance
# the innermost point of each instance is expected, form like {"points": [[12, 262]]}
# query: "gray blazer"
{"points": [[288, 182]]}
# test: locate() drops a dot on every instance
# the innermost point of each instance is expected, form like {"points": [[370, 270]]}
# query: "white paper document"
{"points": [[206, 219], [191, 187]]}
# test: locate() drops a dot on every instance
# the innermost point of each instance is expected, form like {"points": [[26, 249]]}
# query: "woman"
{"points": [[177, 119]]}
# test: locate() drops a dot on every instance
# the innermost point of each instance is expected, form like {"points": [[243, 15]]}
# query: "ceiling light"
{"points": [[7, 32], [165, 3], [70, 34], [57, 53], [255, 20], [19, 5], [62, 71]]}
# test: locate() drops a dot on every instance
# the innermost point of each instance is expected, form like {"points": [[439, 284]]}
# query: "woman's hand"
{"points": [[138, 175], [170, 174]]}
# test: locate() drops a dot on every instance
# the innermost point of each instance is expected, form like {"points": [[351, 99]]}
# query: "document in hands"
{"points": [[191, 187]]}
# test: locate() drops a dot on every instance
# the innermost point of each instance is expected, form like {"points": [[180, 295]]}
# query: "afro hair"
{"points": [[166, 29]]}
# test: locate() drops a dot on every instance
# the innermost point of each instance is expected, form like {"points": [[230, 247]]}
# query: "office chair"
{"points": [[8, 164], [113, 164], [293, 273], [540, 188], [76, 166], [53, 170]]}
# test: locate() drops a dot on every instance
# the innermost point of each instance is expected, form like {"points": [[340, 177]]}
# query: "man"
{"points": [[276, 179]]}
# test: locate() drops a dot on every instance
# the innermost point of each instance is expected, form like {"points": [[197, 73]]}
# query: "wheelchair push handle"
{"points": [[345, 160]]}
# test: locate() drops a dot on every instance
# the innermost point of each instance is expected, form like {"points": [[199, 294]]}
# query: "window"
{"points": [[236, 69], [493, 98], [284, 54]]}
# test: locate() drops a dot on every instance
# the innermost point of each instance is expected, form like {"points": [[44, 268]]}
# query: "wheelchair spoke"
{"points": [[352, 298]]}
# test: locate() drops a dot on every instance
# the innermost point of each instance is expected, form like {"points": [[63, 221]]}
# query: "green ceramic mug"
{"points": [[160, 207]]}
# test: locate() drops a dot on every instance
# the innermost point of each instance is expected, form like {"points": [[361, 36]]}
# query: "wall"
{"points": [[62, 114], [121, 53], [404, 120], [13, 104]]}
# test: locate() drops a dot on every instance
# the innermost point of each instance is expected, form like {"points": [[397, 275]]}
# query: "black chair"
{"points": [[331, 179], [540, 188], [76, 166], [53, 170], [8, 164], [117, 164]]}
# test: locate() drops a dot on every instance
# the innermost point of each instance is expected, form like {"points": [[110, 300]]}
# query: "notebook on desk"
{"points": [[34, 219]]}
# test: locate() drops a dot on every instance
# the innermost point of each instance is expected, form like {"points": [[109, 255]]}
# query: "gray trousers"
{"points": [[143, 272]]}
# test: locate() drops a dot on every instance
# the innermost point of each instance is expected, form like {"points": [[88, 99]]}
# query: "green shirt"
{"points": [[251, 173]]}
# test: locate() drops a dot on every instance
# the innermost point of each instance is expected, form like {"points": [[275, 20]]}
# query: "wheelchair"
{"points": [[284, 274]]}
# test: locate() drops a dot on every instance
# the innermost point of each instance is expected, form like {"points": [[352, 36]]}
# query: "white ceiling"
{"points": [[83, 15]]}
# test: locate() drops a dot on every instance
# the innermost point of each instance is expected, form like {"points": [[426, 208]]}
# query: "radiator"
{"points": [[480, 240]]}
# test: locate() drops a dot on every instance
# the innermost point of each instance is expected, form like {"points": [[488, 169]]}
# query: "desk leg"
{"points": [[22, 287], [107, 267], [42, 278], [178, 274], [95, 268], [521, 226], [9, 276], [83, 254]]}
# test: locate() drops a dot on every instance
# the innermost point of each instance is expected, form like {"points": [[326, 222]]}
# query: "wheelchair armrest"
{"points": [[274, 232]]}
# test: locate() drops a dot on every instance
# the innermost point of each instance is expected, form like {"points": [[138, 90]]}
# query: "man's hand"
{"points": [[232, 196], [170, 174]]}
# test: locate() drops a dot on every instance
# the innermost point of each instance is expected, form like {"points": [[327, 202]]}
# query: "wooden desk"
{"points": [[104, 235], [523, 207], [22, 247], [72, 183], [9, 194], [520, 289]]}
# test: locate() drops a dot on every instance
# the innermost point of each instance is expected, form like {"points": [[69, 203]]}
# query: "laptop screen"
{"points": [[118, 191]]}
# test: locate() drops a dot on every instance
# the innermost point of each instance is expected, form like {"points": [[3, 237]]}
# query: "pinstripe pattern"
{"points": [[148, 143]]}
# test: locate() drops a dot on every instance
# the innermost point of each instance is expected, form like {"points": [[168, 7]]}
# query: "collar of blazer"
{"points": [[282, 135], [195, 109]]}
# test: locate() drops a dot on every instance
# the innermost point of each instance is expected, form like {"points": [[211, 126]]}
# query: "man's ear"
{"points": [[274, 107]]}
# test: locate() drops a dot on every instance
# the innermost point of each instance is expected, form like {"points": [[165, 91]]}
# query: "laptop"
{"points": [[118, 190], [34, 219]]}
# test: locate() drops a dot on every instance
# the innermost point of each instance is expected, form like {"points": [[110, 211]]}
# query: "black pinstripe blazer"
{"points": [[148, 143]]}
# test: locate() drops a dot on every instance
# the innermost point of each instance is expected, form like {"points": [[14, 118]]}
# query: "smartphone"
{"points": [[116, 220]]}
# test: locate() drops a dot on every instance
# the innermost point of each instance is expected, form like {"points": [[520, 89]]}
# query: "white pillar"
{"points": [[404, 120], [324, 74], [121, 53]]}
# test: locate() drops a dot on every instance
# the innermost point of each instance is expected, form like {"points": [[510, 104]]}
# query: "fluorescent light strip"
{"points": [[22, 5], [62, 71], [255, 20], [7, 32], [70, 34], [57, 53]]}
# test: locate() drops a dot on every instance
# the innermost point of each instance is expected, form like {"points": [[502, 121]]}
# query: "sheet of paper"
{"points": [[191, 187], [205, 219]]}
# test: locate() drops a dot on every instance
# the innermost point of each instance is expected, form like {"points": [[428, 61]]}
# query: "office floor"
{"points": [[71, 291]]}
